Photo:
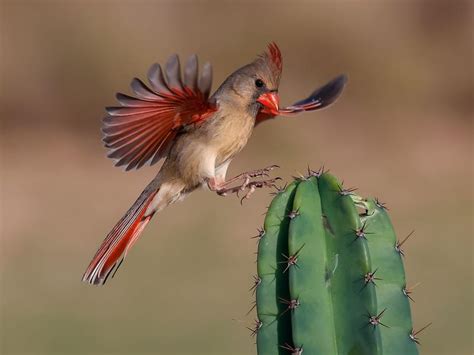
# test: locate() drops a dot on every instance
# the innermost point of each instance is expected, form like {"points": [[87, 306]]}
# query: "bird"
{"points": [[175, 119]]}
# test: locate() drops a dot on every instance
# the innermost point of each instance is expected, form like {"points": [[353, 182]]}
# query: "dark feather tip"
{"points": [[326, 94]]}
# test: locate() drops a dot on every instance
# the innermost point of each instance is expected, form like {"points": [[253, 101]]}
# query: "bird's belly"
{"points": [[195, 162]]}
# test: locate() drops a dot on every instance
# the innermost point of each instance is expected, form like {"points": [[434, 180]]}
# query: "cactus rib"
{"points": [[273, 281]]}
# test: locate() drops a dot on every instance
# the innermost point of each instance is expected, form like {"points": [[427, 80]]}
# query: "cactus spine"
{"points": [[330, 279]]}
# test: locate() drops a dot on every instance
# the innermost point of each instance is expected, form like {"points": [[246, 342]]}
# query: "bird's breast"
{"points": [[229, 134]]}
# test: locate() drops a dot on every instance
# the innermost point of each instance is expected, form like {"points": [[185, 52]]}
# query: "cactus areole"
{"points": [[330, 275]]}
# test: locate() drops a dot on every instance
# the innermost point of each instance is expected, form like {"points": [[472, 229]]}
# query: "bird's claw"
{"points": [[258, 173], [253, 185], [247, 183], [249, 187], [254, 174], [264, 171]]}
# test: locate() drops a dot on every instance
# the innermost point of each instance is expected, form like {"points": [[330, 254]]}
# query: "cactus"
{"points": [[330, 275]]}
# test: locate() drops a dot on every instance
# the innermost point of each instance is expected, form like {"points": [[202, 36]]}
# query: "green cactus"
{"points": [[330, 278]]}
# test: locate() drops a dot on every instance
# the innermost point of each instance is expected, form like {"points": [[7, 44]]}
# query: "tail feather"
{"points": [[114, 248]]}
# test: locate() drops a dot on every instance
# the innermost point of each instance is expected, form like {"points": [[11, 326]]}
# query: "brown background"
{"points": [[402, 132]]}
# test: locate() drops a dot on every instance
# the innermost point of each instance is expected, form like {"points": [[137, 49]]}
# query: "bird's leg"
{"points": [[222, 188]]}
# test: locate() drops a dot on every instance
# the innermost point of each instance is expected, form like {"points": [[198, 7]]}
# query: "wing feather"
{"points": [[130, 101], [117, 140], [173, 73], [125, 111], [205, 81], [141, 130], [319, 98], [191, 73], [157, 80], [143, 91]]}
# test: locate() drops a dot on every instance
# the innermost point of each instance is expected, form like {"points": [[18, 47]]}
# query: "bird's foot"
{"points": [[246, 184], [247, 176], [249, 187]]}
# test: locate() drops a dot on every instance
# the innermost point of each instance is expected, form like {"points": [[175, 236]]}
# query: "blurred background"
{"points": [[402, 131]]}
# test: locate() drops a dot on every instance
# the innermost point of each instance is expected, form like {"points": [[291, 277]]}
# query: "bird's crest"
{"points": [[274, 55], [272, 61]]}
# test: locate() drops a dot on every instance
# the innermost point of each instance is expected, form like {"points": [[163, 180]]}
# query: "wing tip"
{"points": [[341, 80], [333, 90]]}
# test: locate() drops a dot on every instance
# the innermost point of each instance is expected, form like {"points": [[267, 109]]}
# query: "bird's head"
{"points": [[255, 86]]}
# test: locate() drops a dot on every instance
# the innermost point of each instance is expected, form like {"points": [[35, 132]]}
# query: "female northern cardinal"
{"points": [[197, 134]]}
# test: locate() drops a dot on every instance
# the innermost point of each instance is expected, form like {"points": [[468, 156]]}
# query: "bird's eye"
{"points": [[259, 83]]}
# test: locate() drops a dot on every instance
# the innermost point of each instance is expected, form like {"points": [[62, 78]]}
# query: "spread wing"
{"points": [[321, 97], [141, 130]]}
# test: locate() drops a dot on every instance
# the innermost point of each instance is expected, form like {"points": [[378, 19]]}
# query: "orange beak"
{"points": [[270, 102]]}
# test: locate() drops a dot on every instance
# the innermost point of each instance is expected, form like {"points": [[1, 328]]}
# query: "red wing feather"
{"points": [[141, 130]]}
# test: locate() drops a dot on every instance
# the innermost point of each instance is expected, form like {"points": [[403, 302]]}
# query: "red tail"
{"points": [[121, 238]]}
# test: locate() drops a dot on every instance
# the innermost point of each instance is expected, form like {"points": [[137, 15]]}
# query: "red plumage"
{"points": [[120, 239], [275, 56], [142, 129]]}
